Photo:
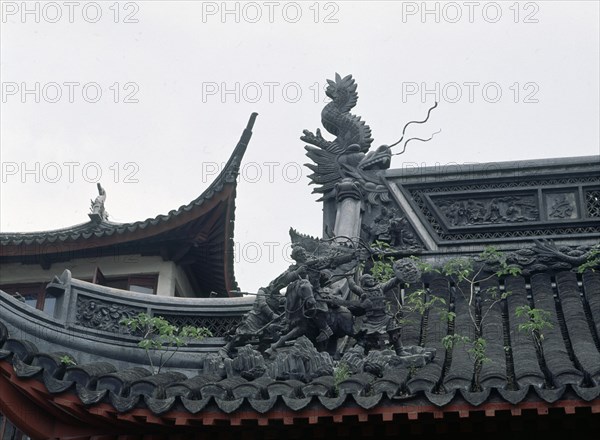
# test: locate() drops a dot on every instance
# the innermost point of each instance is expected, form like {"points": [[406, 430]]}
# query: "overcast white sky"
{"points": [[515, 81]]}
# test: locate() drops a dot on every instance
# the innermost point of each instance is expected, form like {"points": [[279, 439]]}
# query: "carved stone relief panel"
{"points": [[561, 205], [478, 210], [507, 209], [103, 315]]}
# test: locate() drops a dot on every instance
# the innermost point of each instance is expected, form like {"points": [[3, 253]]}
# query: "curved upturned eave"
{"points": [[92, 234], [217, 199]]}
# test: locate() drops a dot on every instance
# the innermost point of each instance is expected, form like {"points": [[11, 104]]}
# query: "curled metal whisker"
{"points": [[414, 122]]}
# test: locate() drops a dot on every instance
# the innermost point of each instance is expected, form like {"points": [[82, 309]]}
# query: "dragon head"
{"points": [[379, 159]]}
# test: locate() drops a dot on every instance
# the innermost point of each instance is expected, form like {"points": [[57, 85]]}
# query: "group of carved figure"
{"points": [[494, 210], [323, 306], [324, 297]]}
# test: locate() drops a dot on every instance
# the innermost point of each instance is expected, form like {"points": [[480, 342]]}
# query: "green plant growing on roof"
{"points": [[67, 360], [159, 335], [417, 301], [382, 268], [467, 279], [592, 260], [341, 372], [538, 320]]}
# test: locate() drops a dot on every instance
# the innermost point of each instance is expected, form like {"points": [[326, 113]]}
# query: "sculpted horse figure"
{"points": [[305, 316]]}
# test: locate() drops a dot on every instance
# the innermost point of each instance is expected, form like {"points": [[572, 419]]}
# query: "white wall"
{"points": [[83, 268], [183, 284]]}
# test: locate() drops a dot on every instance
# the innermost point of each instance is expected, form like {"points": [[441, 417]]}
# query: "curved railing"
{"points": [[87, 317]]}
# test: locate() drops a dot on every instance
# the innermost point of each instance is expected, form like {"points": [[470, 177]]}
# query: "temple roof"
{"points": [[198, 235], [564, 378]]}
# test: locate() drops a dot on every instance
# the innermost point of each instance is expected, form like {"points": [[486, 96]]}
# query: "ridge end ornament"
{"points": [[347, 172], [349, 155], [98, 213]]}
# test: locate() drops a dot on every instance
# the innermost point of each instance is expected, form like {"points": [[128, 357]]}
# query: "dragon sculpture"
{"points": [[349, 155]]}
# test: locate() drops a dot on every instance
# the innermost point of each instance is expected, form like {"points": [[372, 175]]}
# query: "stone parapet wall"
{"points": [[86, 319]]}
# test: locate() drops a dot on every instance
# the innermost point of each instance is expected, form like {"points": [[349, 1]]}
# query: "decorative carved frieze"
{"points": [[523, 208], [469, 211], [102, 315]]}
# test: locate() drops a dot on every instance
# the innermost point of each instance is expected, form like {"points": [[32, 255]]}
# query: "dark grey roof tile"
{"points": [[494, 380], [262, 405], [514, 396], [587, 394], [22, 348], [321, 386], [332, 403], [475, 398], [296, 404], [87, 374], [123, 404], [222, 389], [159, 406], [440, 399], [3, 334], [89, 397], [24, 370], [356, 384], [591, 289], [214, 390], [567, 375], [368, 402], [190, 388], [535, 378], [575, 320], [51, 363], [424, 383], [120, 381], [194, 406], [154, 385], [228, 406], [287, 388], [398, 374], [387, 386], [556, 354], [54, 385], [550, 395], [177, 389], [454, 382], [263, 382], [247, 390]]}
